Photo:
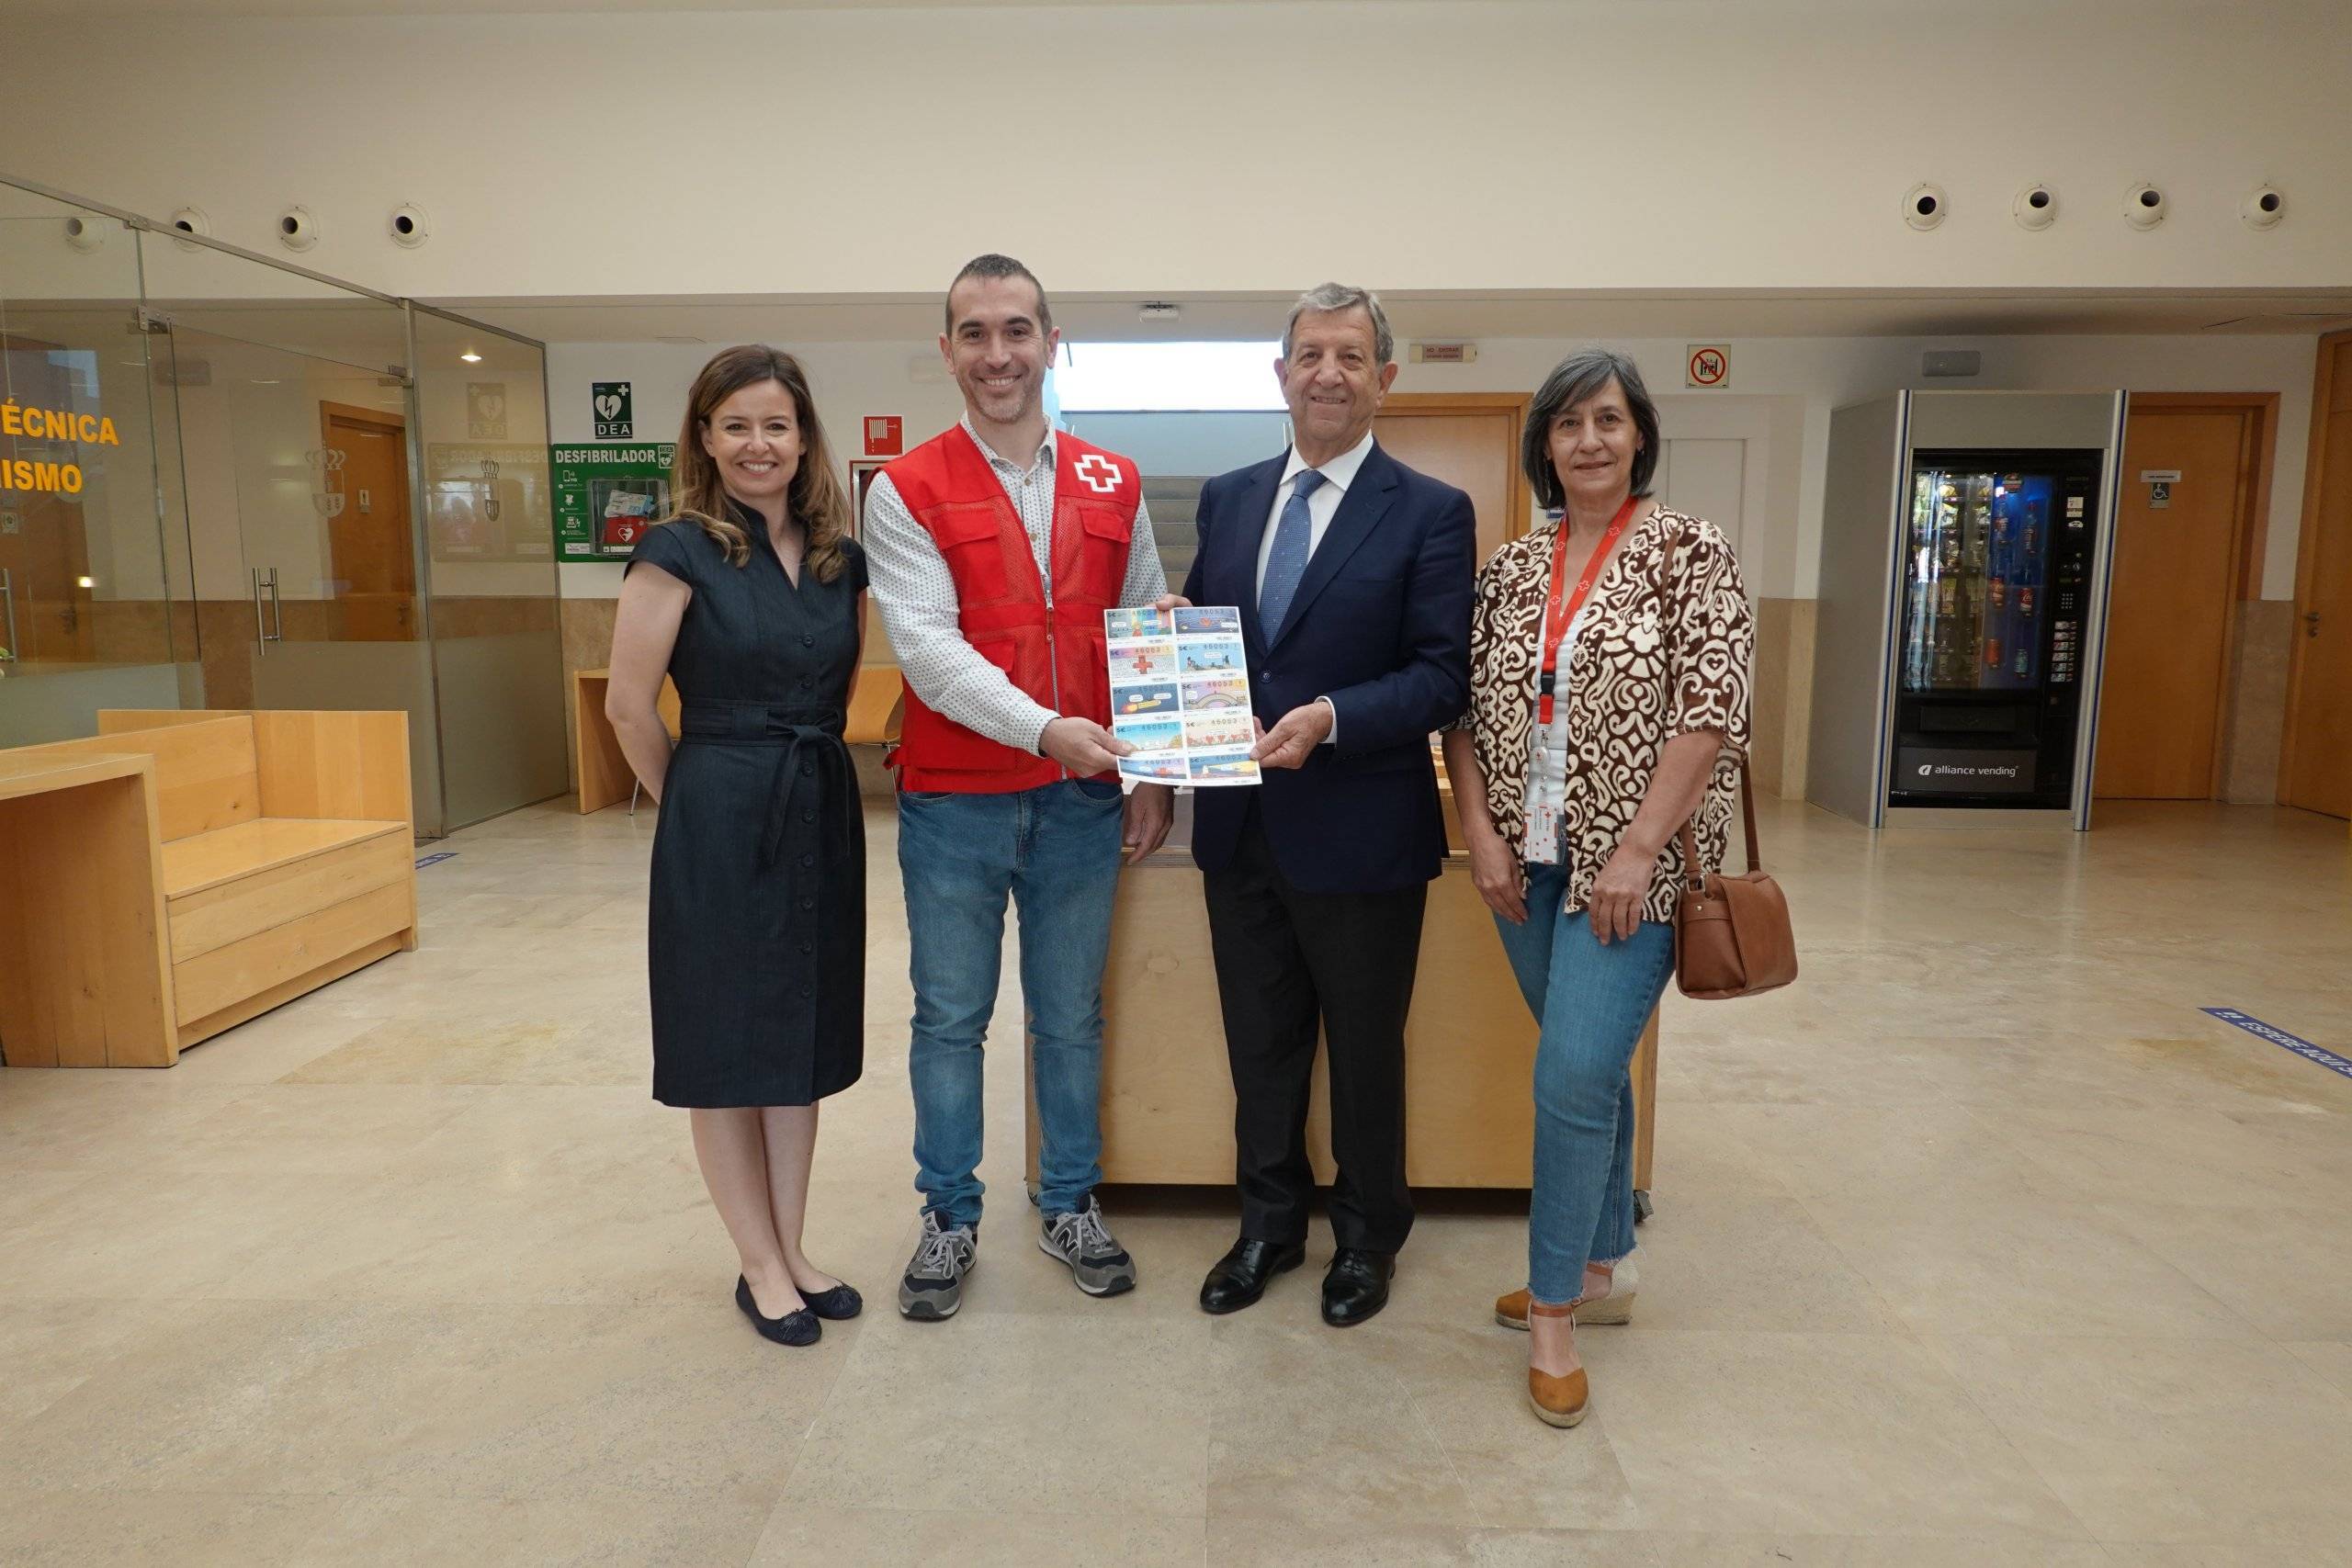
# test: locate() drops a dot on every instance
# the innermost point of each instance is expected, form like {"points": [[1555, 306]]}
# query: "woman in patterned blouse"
{"points": [[1603, 714]]}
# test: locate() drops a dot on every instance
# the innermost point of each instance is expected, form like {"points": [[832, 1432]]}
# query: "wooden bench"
{"points": [[282, 850]]}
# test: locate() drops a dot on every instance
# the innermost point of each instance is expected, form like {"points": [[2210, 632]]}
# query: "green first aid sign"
{"points": [[607, 493], [615, 420]]}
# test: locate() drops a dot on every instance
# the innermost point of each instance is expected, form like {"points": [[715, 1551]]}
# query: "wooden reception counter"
{"points": [[1470, 1044]]}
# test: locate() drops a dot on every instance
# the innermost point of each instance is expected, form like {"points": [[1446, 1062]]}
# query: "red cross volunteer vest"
{"points": [[1047, 637]]}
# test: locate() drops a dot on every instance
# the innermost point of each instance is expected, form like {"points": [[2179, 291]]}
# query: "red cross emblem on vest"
{"points": [[1100, 474]]}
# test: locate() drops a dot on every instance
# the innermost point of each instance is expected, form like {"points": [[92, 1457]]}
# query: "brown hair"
{"points": [[816, 498], [994, 266]]}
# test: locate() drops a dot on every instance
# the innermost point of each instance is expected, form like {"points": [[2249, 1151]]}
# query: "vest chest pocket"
{"points": [[1105, 535], [971, 537]]}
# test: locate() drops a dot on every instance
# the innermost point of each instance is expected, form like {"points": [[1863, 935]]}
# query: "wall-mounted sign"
{"points": [[486, 411], [2159, 482], [606, 495], [886, 435], [1445, 354], [609, 402], [1707, 365]]}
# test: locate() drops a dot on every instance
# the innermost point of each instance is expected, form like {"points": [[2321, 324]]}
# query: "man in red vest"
{"points": [[994, 548]]}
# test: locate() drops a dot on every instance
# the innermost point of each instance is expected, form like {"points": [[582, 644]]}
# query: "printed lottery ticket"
{"points": [[1180, 695]]}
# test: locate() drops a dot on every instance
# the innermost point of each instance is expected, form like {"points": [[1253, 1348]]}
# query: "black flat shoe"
{"points": [[1357, 1286], [794, 1328], [1241, 1275], [836, 1305]]}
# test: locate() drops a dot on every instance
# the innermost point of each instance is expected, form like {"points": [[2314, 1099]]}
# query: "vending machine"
{"points": [[1965, 549]]}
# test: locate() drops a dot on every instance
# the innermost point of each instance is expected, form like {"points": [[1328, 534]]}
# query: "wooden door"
{"points": [[2316, 771], [2170, 614], [370, 545], [1471, 441]]}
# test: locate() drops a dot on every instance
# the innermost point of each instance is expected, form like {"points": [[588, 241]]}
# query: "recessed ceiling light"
{"points": [[470, 358]]}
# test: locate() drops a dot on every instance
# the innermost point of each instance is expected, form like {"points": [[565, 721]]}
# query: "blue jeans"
{"points": [[1055, 850], [1590, 1002]]}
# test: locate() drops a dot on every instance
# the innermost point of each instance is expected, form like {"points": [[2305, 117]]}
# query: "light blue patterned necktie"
{"points": [[1287, 562]]}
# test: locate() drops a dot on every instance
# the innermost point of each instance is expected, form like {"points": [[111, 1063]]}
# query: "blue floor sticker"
{"points": [[436, 858], [2300, 1046]]}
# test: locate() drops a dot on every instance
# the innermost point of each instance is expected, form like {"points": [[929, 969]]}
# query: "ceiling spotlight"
{"points": [[1923, 207], [190, 220], [2035, 207], [2144, 205], [470, 358], [297, 230], [2265, 209]]}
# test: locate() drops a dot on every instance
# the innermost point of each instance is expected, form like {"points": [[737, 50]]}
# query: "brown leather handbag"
{"points": [[1731, 934]]}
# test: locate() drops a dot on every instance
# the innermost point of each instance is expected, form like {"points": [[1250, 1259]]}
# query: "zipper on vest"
{"points": [[1052, 654]]}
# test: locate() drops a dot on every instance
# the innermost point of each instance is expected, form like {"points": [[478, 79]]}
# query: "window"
{"points": [[1167, 377]]}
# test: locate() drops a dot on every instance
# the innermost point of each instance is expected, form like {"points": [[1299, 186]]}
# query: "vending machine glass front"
{"points": [[1985, 707]]}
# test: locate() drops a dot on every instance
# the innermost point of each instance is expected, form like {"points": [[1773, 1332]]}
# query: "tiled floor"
{"points": [[1980, 1246]]}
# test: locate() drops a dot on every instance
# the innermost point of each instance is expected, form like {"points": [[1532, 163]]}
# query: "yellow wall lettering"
{"points": [[19, 473]]}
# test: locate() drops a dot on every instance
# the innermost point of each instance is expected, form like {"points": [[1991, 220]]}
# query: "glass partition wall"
{"points": [[317, 502], [90, 616]]}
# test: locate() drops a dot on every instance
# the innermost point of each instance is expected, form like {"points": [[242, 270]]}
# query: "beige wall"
{"points": [[1708, 144], [1783, 391]]}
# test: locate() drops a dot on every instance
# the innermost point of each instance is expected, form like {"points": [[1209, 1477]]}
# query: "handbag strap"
{"points": [[1695, 878]]}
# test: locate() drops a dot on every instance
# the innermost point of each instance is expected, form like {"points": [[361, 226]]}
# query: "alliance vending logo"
{"points": [[1958, 771], [611, 402], [1947, 771]]}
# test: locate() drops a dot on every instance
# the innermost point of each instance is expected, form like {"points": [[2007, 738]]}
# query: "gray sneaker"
{"points": [[933, 1286], [1099, 1264]]}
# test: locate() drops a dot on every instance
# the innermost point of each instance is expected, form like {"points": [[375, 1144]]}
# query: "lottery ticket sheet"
{"points": [[1180, 695]]}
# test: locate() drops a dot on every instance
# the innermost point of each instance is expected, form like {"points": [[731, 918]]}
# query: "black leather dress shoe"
{"points": [[1241, 1276], [1357, 1286]]}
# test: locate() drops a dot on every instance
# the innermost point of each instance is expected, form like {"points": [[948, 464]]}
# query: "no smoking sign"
{"points": [[1707, 365]]}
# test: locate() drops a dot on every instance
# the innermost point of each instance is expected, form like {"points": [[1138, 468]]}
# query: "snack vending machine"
{"points": [[1966, 544]]}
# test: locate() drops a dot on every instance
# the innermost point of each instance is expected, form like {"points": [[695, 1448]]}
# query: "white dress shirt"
{"points": [[1322, 505]]}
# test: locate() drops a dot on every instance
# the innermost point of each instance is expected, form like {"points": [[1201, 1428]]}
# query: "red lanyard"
{"points": [[1558, 616]]}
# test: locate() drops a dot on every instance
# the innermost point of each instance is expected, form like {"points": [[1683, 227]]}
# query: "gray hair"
{"points": [[1325, 297], [1579, 376]]}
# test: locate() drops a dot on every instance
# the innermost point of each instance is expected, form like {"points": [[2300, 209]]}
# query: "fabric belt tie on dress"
{"points": [[804, 739]]}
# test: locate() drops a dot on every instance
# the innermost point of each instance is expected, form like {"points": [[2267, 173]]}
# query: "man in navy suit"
{"points": [[1354, 576]]}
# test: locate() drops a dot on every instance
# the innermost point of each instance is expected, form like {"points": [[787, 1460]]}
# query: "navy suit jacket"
{"points": [[1381, 625]]}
